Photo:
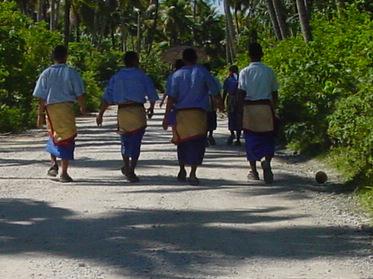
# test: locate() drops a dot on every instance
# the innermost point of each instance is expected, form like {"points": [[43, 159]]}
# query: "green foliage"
{"points": [[25, 47], [366, 198], [326, 95]]}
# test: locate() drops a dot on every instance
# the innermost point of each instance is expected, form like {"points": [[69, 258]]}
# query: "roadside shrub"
{"points": [[25, 49], [93, 91], [315, 76]]}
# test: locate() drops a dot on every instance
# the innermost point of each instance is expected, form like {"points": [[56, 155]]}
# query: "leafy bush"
{"points": [[315, 76], [93, 91], [25, 49]]}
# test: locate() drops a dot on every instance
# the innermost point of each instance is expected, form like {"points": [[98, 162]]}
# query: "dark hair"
{"points": [[179, 63], [130, 58], [233, 69], [190, 55], [255, 51], [59, 52]]}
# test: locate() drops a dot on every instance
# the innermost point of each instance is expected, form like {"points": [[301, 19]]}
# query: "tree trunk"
{"points": [[67, 22], [308, 5], [57, 16], [272, 14], [304, 21], [281, 18], [138, 46], [154, 26], [194, 20], [236, 8], [230, 30], [228, 46], [77, 27], [40, 14], [52, 15]]}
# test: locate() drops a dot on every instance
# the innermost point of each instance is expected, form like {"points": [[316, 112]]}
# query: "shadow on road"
{"points": [[137, 241]]}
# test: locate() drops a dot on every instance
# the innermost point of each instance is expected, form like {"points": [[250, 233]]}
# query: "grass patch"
{"points": [[354, 177]]}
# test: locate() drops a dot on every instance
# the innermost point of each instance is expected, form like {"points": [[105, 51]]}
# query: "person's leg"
{"points": [[238, 136], [65, 177], [181, 176], [193, 180], [231, 138], [135, 150], [253, 174], [238, 133], [267, 170], [126, 164], [211, 139], [53, 170], [64, 166]]}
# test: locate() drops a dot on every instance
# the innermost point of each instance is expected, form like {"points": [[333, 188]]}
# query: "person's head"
{"points": [[190, 56], [131, 59], [179, 63], [60, 54], [233, 69], [255, 52]]}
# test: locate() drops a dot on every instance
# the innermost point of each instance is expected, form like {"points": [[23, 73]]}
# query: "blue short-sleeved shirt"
{"points": [[231, 84], [191, 86], [58, 84], [130, 85]]}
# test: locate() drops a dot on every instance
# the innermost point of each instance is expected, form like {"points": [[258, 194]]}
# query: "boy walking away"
{"points": [[258, 90], [57, 88], [189, 95], [129, 89], [234, 115]]}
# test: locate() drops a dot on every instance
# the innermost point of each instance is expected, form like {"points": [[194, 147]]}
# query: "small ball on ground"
{"points": [[321, 177]]}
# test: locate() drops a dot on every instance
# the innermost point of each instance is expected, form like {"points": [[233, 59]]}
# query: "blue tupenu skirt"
{"points": [[65, 151], [191, 152], [259, 145], [131, 144]]}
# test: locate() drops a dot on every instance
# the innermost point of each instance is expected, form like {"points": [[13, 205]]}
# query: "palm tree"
{"points": [[230, 33], [280, 15], [153, 6], [304, 21], [272, 14], [67, 22]]}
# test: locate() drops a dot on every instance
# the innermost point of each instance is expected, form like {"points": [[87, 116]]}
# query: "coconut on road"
{"points": [[103, 227]]}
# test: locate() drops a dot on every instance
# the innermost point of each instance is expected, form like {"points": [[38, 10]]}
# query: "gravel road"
{"points": [[103, 227]]}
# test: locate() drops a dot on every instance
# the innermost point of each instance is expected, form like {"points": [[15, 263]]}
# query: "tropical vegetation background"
{"points": [[322, 52]]}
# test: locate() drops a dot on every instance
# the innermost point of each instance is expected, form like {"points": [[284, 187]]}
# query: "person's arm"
{"points": [[275, 87], [172, 97], [225, 90], [103, 107], [150, 110], [163, 100], [215, 87], [167, 90], [241, 100], [40, 92], [274, 100], [107, 99], [169, 105], [152, 95], [41, 114], [82, 104]]}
